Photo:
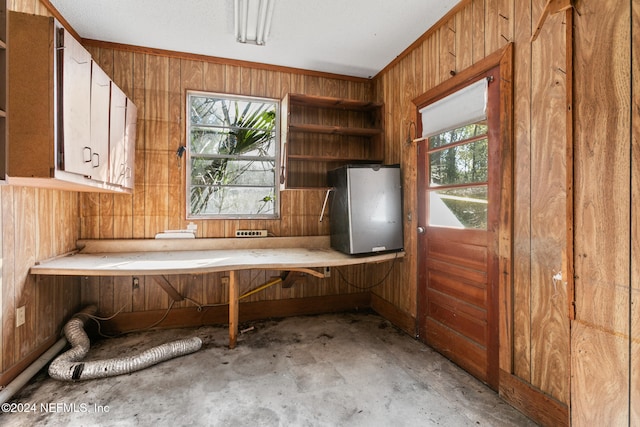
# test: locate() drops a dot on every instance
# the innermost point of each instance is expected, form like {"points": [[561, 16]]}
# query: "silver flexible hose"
{"points": [[69, 366]]}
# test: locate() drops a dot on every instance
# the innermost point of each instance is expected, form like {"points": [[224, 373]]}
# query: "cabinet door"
{"points": [[130, 143], [76, 106], [117, 135], [100, 95]]}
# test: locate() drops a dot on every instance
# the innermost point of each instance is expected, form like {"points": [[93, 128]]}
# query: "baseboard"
{"points": [[249, 311], [532, 402], [11, 373], [399, 318]]}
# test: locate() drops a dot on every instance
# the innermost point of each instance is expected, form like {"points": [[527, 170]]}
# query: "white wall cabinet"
{"points": [[74, 129], [122, 133], [75, 116], [98, 150]]}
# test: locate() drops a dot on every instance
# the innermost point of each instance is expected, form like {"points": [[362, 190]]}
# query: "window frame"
{"points": [[189, 156]]}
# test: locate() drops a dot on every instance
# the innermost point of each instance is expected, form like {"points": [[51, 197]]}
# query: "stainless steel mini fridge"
{"points": [[366, 209]]}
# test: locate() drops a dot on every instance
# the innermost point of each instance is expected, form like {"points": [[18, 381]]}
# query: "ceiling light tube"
{"points": [[244, 20], [236, 19], [262, 16], [267, 25]]}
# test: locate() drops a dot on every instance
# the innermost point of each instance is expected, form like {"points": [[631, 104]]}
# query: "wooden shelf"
{"points": [[336, 103], [315, 158], [321, 133], [337, 130]]}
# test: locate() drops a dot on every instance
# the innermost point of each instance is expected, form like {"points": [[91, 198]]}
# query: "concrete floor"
{"points": [[351, 369]]}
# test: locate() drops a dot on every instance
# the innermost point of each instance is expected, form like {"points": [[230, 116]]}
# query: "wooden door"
{"points": [[459, 209]]}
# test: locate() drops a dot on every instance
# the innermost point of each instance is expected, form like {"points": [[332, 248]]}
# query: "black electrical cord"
{"points": [[365, 288]]}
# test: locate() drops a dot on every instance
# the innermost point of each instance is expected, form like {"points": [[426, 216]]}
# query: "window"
{"points": [[458, 177], [232, 153]]}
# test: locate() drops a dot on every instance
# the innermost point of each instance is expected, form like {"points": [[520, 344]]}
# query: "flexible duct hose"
{"points": [[68, 366]]}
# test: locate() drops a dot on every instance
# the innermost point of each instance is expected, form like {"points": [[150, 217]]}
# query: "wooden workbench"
{"points": [[162, 257]]}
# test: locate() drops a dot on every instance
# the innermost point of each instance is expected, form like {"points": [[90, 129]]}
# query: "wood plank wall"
{"points": [[36, 224], [157, 83], [540, 350], [605, 336]]}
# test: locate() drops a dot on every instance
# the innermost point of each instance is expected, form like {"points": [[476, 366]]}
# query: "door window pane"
{"points": [[459, 207], [454, 136], [460, 164]]}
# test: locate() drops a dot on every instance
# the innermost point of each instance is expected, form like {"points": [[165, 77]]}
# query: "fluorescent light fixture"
{"points": [[252, 20]]}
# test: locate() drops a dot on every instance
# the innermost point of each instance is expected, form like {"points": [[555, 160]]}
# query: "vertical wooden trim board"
{"points": [[634, 379], [600, 341]]}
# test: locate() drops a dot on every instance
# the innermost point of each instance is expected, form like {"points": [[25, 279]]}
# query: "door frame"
{"points": [[503, 59]]}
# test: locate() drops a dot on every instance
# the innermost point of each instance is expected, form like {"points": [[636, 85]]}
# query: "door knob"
{"points": [[421, 230]]}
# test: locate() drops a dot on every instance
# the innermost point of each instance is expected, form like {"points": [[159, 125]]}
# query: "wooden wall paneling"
{"points": [[521, 346], [507, 21], [258, 79], [634, 379], [464, 38], [106, 293], [44, 289], [213, 77], [478, 29], [404, 279], [549, 319], [245, 81], [44, 224], [286, 209], [600, 333], [157, 149], [8, 268], [492, 26], [213, 288], [106, 212], [122, 293], [634, 376], [90, 215], [296, 224], [155, 298], [24, 290], [176, 185], [447, 35], [232, 79], [139, 190], [431, 58], [66, 223], [90, 291], [138, 296]]}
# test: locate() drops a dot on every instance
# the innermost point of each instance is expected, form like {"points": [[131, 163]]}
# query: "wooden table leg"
{"points": [[233, 308]]}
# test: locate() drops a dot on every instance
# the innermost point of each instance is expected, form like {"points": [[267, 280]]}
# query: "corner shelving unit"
{"points": [[323, 133]]}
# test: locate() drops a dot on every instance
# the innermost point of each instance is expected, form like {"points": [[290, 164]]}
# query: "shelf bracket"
{"points": [[551, 8]]}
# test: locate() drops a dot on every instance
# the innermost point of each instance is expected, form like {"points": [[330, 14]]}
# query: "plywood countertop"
{"points": [[186, 256]]}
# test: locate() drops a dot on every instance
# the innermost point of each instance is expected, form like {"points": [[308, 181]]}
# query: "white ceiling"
{"points": [[349, 37]]}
